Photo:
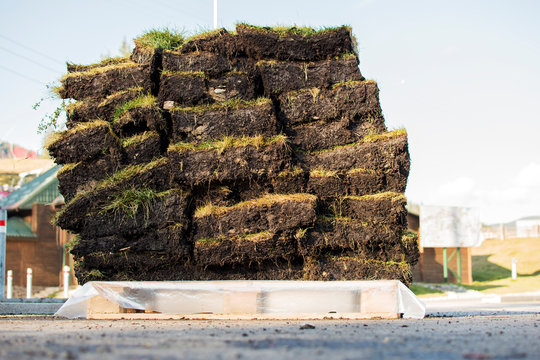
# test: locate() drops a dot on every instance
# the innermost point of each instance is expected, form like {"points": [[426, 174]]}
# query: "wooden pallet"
{"points": [[327, 302]]}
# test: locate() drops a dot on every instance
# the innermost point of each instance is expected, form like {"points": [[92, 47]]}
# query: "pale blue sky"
{"points": [[461, 76]]}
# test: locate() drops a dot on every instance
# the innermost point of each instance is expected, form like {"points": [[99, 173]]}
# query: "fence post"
{"points": [[3, 220], [28, 283], [9, 284], [66, 281]]}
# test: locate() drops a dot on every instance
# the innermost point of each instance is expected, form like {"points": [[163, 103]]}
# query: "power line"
{"points": [[21, 75], [28, 59], [32, 50]]}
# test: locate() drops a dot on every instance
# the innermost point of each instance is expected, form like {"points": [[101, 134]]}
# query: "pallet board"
{"points": [[387, 299]]}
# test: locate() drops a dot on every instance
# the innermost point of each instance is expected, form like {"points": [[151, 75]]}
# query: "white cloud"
{"points": [[521, 197]]}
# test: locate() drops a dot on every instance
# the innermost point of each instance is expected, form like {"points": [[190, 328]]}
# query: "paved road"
{"points": [[510, 334]]}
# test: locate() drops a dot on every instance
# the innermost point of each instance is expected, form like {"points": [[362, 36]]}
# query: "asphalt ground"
{"points": [[469, 331]]}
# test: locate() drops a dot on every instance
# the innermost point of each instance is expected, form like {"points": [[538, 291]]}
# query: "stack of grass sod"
{"points": [[259, 154]]}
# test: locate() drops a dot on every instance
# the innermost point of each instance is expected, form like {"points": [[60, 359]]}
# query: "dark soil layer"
{"points": [[233, 85], [323, 135], [154, 175], [85, 144], [143, 148], [171, 240], [284, 76], [196, 167], [104, 81], [219, 41], [211, 64], [352, 268], [337, 234], [178, 169], [387, 154], [350, 99], [265, 43], [183, 87], [270, 213], [83, 111], [332, 185], [385, 208], [139, 119], [243, 250], [165, 209], [83, 176], [215, 122]]}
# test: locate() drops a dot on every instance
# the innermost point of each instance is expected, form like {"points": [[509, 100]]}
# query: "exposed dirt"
{"points": [[85, 111], [83, 145], [138, 120], [143, 151], [259, 43], [86, 174], [103, 84], [196, 126], [353, 267], [284, 76], [183, 87], [213, 65], [279, 216], [241, 250], [193, 168], [347, 100]]}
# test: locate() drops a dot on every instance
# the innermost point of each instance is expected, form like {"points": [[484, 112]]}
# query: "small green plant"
{"points": [[143, 100], [128, 202], [52, 121], [163, 39]]}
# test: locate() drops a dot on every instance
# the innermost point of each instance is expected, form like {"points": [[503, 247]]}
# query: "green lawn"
{"points": [[492, 267]]}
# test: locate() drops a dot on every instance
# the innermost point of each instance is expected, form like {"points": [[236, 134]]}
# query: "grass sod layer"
{"points": [[328, 185], [84, 111], [347, 99], [296, 43], [157, 266], [101, 82], [322, 135], [183, 87], [172, 239], [84, 175], [387, 153], [232, 85], [138, 119], [82, 142], [230, 118], [231, 159], [272, 212], [134, 211], [283, 76], [155, 175], [211, 64], [251, 248], [141, 148], [331, 233], [352, 267], [386, 208]]}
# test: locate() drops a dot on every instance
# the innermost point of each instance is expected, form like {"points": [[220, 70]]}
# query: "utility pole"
{"points": [[3, 220], [215, 14]]}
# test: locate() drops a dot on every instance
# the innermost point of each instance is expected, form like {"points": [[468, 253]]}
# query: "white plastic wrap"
{"points": [[289, 298]]}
